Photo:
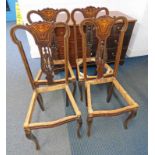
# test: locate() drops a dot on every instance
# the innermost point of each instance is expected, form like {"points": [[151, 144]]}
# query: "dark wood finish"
{"points": [[111, 45], [48, 14], [43, 32]]}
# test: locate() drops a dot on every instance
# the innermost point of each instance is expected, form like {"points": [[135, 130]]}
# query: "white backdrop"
{"points": [[136, 8]]}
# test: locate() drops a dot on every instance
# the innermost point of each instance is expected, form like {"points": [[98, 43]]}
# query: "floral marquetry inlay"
{"points": [[48, 14], [104, 26], [41, 32], [90, 11]]}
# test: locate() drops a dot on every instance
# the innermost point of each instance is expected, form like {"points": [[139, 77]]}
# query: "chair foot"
{"points": [[80, 88], [79, 125], [129, 118], [74, 88], [40, 101], [30, 136], [109, 92], [67, 101], [89, 125]]}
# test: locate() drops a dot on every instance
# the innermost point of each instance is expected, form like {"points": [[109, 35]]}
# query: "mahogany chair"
{"points": [[103, 26], [42, 33], [88, 12], [51, 15]]}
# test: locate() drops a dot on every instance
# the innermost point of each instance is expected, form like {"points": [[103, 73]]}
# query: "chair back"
{"points": [[88, 12], [42, 32], [103, 27]]}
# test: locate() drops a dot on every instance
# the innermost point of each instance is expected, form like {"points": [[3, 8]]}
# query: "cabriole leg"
{"points": [[79, 125], [129, 118], [30, 136]]}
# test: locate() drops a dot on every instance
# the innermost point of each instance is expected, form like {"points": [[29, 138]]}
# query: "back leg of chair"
{"points": [[86, 99], [89, 125], [80, 89], [74, 87], [67, 100], [79, 125], [129, 118], [40, 101], [30, 136], [109, 92]]}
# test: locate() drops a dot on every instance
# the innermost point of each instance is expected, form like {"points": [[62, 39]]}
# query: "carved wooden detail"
{"points": [[48, 14], [103, 27], [88, 12], [43, 34], [103, 30]]}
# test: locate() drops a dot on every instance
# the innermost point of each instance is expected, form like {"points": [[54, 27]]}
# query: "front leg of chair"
{"points": [[40, 101], [30, 136], [129, 118], [110, 91], [89, 125], [80, 88], [79, 125]]}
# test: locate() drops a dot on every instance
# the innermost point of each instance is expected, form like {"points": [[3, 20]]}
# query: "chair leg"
{"points": [[110, 91], [86, 100], [89, 125], [80, 88], [30, 136], [79, 125], [74, 88], [129, 118], [40, 101], [67, 100]]}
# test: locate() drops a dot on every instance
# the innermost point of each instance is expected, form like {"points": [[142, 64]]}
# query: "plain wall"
{"points": [[136, 8]]}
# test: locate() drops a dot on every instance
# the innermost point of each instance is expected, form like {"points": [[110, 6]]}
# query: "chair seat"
{"points": [[132, 105]]}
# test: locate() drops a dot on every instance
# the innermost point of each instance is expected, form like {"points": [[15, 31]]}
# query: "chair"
{"points": [[88, 12], [51, 15], [103, 26], [42, 34]]}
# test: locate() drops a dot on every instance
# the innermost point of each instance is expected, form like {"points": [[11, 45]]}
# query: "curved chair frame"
{"points": [[41, 32], [50, 15], [103, 26], [88, 12]]}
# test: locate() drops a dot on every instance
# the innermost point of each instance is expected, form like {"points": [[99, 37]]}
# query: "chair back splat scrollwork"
{"points": [[103, 26], [42, 33], [88, 12], [48, 14]]}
